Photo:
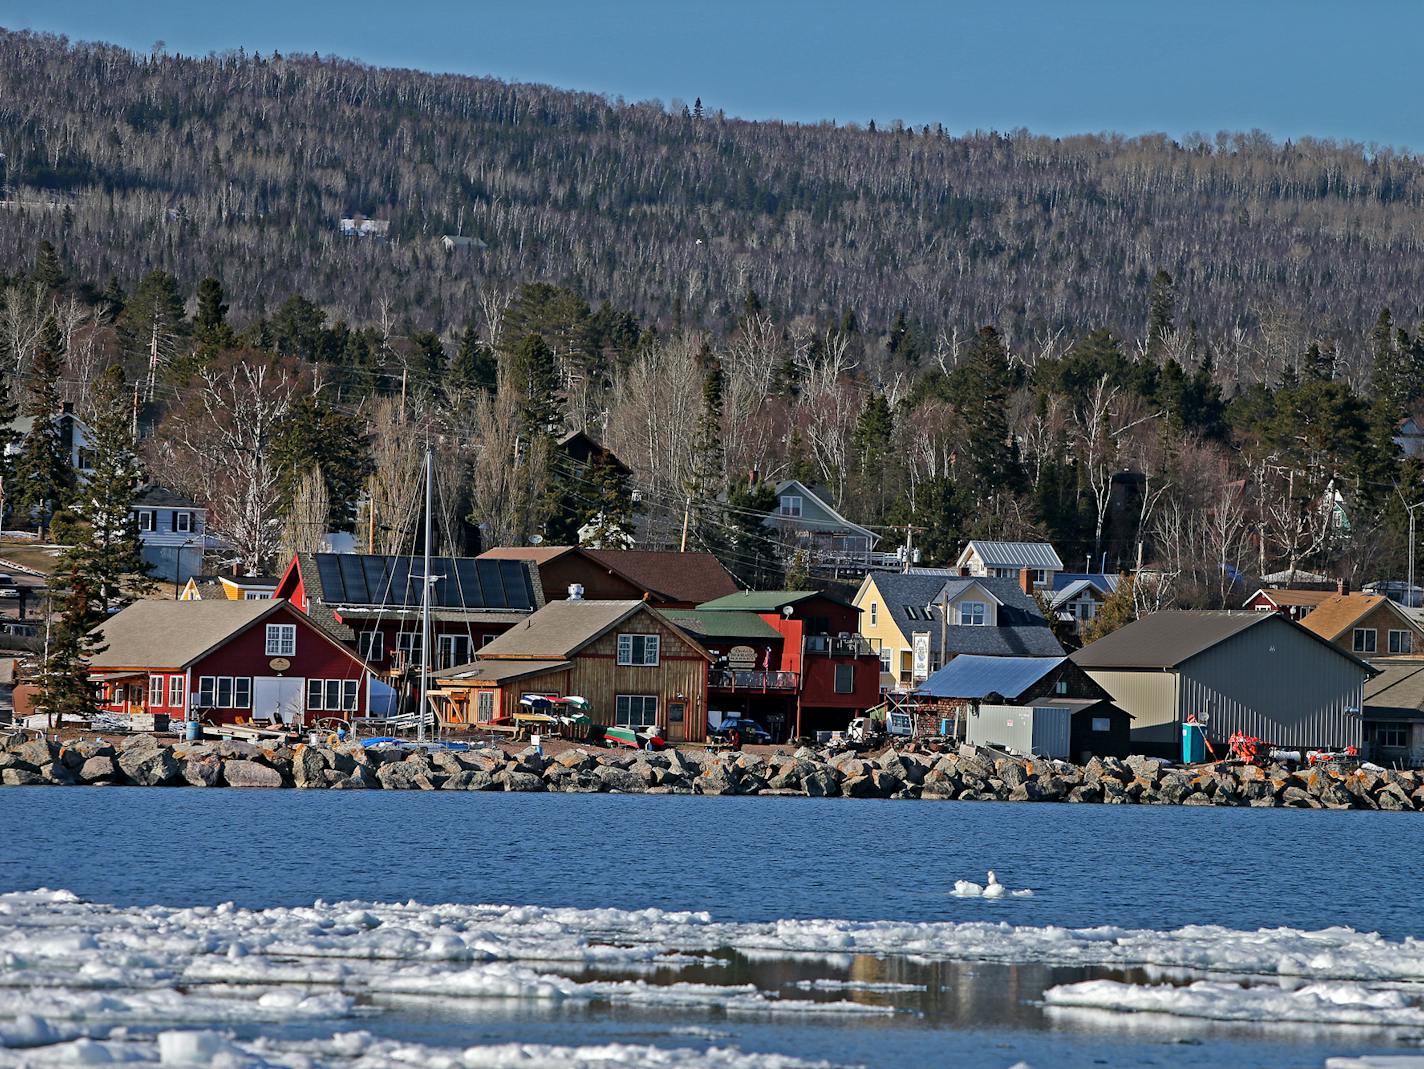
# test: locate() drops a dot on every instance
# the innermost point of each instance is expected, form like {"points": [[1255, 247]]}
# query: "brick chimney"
{"points": [[1026, 581]]}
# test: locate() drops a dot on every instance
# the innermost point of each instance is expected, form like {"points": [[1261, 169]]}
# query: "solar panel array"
{"points": [[460, 582]]}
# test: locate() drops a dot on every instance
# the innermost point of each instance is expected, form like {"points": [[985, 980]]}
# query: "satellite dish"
{"points": [[787, 610], [536, 540]]}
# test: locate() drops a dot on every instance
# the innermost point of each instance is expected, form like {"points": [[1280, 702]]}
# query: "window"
{"points": [[145, 519], [175, 691], [1102, 725], [1391, 736], [332, 695], [408, 646], [845, 679], [638, 650], [1401, 642], [874, 614], [1040, 577], [1365, 638], [637, 710], [485, 705], [256, 595], [281, 640], [885, 659], [182, 522], [225, 692], [155, 690], [790, 505], [372, 646], [971, 613], [453, 650], [1087, 609], [1061, 688]]}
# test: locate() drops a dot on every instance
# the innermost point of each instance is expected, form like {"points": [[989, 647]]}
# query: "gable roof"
{"points": [[1065, 594], [767, 600], [971, 676], [1336, 614], [910, 601], [495, 671], [1105, 581], [1169, 638], [1284, 596], [155, 496], [809, 524], [665, 575], [1013, 554], [174, 634], [562, 628]]}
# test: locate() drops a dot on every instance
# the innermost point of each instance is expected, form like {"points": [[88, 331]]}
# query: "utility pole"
{"points": [[686, 513], [371, 515]]}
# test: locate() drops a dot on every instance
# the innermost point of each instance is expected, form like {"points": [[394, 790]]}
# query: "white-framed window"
{"points": [[1401, 642], [256, 595], [145, 519], [452, 650], [182, 522], [971, 613], [1102, 724], [408, 645], [636, 710], [225, 692], [155, 691], [281, 640], [886, 656], [845, 679], [332, 695], [638, 650], [175, 691], [484, 706], [874, 614], [1040, 577], [371, 645], [790, 505], [1365, 639]]}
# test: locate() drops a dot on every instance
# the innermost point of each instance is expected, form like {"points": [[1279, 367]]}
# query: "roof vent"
{"points": [[575, 591]]}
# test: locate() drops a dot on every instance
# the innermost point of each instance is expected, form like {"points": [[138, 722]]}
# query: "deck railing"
{"points": [[751, 680]]}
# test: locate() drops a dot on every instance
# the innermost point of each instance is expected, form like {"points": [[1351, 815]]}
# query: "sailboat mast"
{"points": [[425, 604]]}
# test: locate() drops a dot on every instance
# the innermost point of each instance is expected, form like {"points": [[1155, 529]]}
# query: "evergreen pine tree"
{"points": [[535, 376], [1161, 311], [993, 458], [108, 555], [751, 551], [210, 326], [152, 325], [709, 460], [474, 366], [49, 271], [611, 508], [43, 476], [874, 429], [66, 689]]}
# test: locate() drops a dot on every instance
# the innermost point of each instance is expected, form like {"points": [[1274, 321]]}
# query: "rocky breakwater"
{"points": [[968, 774]]}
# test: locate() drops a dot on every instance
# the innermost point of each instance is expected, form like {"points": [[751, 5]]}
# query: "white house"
{"points": [[74, 436], [172, 530], [1003, 560]]}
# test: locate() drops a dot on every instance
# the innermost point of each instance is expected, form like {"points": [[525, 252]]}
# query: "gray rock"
{"points": [[1114, 793], [1027, 791], [99, 769], [1012, 774], [470, 780], [1298, 798], [309, 769], [1392, 798], [1087, 792], [20, 777], [406, 776], [36, 753], [623, 780], [820, 782], [716, 779], [1148, 768], [363, 776], [204, 771], [521, 781], [150, 767], [250, 774], [59, 774], [135, 743]]}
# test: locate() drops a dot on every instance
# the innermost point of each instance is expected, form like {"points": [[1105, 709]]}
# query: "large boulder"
{"points": [[250, 774], [203, 771], [309, 768], [36, 753], [820, 781], [20, 777], [469, 780], [522, 781], [150, 767], [717, 779], [574, 760], [406, 776], [622, 780], [99, 769]]}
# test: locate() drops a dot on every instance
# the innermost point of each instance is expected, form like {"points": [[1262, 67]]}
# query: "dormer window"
{"points": [[971, 613]]}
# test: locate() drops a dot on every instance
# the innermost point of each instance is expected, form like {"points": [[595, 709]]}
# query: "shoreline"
{"points": [[968, 774]]}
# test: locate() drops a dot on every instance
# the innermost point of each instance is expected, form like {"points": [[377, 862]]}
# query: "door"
{"points": [[279, 698], [677, 721]]}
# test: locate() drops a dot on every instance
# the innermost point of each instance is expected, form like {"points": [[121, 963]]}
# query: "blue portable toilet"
{"points": [[1193, 743]]}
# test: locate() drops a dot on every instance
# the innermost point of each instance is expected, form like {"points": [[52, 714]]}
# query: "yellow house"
{"points": [[987, 616], [231, 587]]}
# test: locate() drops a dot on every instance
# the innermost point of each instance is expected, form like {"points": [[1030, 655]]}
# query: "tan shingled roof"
{"points": [[1283, 596], [562, 628], [538, 554], [1338, 612], [173, 634]]}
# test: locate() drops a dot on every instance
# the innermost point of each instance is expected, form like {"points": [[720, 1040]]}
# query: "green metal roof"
{"points": [[720, 624], [765, 600]]}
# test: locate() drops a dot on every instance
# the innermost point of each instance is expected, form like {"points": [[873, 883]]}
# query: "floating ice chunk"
{"points": [[1314, 1004], [967, 889], [193, 1048]]}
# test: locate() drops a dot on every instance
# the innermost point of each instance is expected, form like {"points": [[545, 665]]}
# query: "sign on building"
{"points": [[921, 670]]}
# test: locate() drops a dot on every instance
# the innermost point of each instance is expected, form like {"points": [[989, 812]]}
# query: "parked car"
{"points": [[749, 730]]}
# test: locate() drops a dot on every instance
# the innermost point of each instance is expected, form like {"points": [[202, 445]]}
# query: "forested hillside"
{"points": [[1197, 353], [136, 162]]}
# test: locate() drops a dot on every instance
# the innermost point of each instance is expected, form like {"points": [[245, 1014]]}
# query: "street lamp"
{"points": [[1409, 595], [178, 563]]}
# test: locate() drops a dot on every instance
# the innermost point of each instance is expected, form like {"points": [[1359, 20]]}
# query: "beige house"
{"points": [[1367, 625], [1253, 672]]}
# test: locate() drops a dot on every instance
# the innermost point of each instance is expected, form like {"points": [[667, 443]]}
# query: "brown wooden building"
{"points": [[629, 661], [1367, 625], [667, 580]]}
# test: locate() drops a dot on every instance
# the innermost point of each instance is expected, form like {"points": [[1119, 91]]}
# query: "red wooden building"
{"points": [[230, 661], [791, 659]]}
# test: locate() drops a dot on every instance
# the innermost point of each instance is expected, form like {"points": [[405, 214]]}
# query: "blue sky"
{"points": [[1346, 70]]}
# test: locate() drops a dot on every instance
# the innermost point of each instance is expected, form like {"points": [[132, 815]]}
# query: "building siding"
{"points": [[1150, 695], [1274, 683]]}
